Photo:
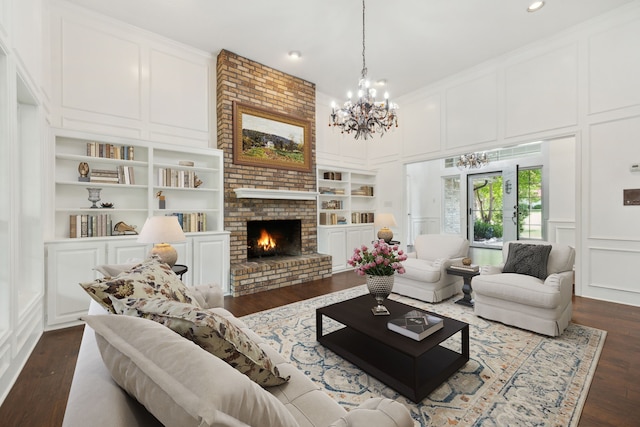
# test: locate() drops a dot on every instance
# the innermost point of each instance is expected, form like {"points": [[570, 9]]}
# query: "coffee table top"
{"points": [[356, 314]]}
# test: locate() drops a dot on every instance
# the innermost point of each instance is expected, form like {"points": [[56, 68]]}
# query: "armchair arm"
{"points": [[563, 282], [377, 411], [208, 296], [491, 269], [442, 263]]}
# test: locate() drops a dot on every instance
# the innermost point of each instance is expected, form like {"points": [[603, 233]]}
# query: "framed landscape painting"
{"points": [[268, 139]]}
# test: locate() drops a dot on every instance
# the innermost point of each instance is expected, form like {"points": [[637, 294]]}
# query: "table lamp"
{"points": [[385, 220], [160, 230]]}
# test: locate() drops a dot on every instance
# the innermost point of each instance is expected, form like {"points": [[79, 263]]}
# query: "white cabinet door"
{"points": [[69, 264], [358, 236], [336, 247], [211, 260], [126, 251]]}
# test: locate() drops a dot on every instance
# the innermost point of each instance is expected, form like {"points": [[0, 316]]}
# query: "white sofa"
{"points": [[527, 302], [96, 400], [425, 276]]}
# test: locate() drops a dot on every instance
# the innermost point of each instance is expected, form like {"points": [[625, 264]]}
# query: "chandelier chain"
{"points": [[364, 63]]}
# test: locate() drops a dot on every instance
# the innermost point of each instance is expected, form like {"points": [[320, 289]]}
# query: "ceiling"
{"points": [[410, 43]]}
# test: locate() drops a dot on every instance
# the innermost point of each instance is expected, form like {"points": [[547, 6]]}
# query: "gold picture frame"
{"points": [[268, 139]]}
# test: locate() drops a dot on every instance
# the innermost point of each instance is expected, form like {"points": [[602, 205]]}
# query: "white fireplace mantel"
{"points": [[262, 193]]}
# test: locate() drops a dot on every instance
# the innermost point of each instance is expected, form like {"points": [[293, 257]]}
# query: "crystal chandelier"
{"points": [[365, 116], [472, 161]]}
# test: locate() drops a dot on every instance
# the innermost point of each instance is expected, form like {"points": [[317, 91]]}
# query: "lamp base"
{"points": [[166, 252], [386, 234]]}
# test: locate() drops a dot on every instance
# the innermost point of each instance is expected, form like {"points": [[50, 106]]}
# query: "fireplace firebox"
{"points": [[274, 238]]}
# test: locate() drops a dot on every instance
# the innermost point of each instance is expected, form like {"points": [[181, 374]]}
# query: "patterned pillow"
{"points": [[210, 331], [527, 259], [151, 278]]}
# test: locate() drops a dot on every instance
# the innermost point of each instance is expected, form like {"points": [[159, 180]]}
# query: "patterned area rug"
{"points": [[513, 377]]}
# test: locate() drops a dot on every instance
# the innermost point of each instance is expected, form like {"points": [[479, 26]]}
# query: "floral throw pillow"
{"points": [[529, 259], [210, 331], [150, 279]]}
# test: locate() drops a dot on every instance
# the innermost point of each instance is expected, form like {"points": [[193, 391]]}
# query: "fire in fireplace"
{"points": [[274, 238]]}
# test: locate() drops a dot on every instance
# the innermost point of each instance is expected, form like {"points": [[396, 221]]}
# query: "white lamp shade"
{"points": [[161, 229], [385, 220]]}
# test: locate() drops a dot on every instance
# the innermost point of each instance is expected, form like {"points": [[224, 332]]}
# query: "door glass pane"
{"points": [[530, 203], [486, 222]]}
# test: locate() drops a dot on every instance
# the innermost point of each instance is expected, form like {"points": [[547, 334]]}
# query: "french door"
{"points": [[504, 206], [493, 207]]}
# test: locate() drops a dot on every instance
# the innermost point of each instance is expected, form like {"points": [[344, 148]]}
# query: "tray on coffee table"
{"points": [[412, 368]]}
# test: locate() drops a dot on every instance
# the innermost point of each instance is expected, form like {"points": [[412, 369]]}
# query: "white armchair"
{"points": [[539, 304], [426, 275]]}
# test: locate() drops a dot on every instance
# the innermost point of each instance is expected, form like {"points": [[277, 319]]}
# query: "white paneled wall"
{"points": [[584, 84], [114, 79], [21, 141]]}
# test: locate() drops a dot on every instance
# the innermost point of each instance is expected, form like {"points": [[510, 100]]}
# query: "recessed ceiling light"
{"points": [[535, 6], [295, 54]]}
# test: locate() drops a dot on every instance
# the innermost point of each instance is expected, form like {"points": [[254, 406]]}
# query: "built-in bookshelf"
{"points": [[346, 211], [345, 196], [137, 179]]}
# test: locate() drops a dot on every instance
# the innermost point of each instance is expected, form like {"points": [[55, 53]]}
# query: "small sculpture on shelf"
{"points": [[83, 170], [106, 205], [197, 182], [162, 203], [94, 196], [123, 228]]}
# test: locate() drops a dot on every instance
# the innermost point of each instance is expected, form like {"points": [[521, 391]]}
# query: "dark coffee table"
{"points": [[412, 368]]}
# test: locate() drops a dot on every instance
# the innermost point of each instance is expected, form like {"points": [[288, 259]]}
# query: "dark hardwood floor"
{"points": [[39, 396]]}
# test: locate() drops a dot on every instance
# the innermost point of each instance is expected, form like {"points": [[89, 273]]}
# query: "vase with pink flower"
{"points": [[379, 264]]}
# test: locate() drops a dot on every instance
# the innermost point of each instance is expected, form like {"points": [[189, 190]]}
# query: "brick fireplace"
{"points": [[246, 81]]}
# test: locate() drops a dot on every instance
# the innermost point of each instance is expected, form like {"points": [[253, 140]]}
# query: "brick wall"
{"points": [[240, 79]]}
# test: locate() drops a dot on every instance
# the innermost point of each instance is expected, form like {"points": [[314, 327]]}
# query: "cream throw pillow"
{"points": [[177, 381], [149, 279], [210, 331]]}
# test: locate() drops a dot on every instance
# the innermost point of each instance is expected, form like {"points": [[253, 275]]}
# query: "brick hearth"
{"points": [[240, 79]]}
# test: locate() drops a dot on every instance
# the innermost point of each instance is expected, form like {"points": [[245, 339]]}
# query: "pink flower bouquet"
{"points": [[382, 260]]}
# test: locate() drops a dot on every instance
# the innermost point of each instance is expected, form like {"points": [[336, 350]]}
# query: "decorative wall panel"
{"points": [[614, 67], [613, 148], [472, 112], [542, 92], [614, 274], [421, 126], [101, 73], [179, 92]]}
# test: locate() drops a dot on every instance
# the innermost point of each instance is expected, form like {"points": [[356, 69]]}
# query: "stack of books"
{"points": [[471, 267], [416, 324]]}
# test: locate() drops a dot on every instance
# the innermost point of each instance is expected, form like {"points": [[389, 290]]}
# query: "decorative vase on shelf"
{"points": [[94, 196], [380, 288]]}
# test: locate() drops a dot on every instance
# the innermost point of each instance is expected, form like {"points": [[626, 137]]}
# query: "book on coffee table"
{"points": [[415, 324]]}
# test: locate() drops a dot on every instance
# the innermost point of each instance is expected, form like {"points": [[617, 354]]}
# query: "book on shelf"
{"points": [[179, 178], [191, 222], [416, 324], [333, 176], [362, 217], [110, 151], [474, 268], [90, 225]]}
